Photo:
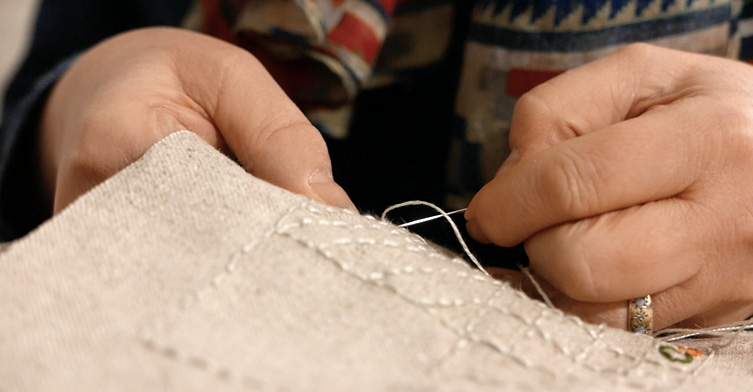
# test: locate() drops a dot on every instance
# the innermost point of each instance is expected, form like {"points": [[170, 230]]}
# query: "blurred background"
{"points": [[15, 29]]}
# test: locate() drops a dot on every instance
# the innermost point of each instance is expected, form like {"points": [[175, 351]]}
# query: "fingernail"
{"points": [[475, 231], [329, 192]]}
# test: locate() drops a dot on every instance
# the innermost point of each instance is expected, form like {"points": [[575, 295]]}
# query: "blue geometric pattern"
{"points": [[564, 8], [512, 38], [537, 35]]}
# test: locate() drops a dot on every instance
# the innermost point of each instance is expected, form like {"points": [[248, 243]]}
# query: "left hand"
{"points": [[131, 90], [633, 175]]}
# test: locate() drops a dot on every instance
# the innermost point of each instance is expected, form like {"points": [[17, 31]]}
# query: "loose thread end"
{"points": [[527, 273]]}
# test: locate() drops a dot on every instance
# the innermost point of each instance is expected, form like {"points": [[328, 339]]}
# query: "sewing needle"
{"points": [[429, 218]]}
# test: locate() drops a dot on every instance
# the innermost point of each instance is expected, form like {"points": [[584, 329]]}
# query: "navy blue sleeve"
{"points": [[63, 30]]}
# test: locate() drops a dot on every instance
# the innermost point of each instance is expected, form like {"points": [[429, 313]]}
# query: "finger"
{"points": [[622, 254], [619, 166], [262, 127], [126, 122], [593, 96], [687, 305], [610, 313], [676, 306], [684, 306]]}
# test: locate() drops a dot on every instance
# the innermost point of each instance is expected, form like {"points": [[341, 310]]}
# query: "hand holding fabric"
{"points": [[132, 90], [633, 175]]}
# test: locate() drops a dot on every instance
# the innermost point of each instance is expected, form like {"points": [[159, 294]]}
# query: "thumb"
{"points": [[262, 127]]}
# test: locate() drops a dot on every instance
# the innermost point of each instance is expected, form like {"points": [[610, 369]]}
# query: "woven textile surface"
{"points": [[185, 273]]}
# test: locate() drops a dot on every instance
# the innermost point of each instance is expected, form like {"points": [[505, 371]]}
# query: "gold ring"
{"points": [[641, 315]]}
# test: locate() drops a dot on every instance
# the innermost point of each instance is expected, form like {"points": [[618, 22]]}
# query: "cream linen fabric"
{"points": [[184, 273]]}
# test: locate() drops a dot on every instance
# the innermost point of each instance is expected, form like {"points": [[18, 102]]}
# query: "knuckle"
{"points": [[528, 110], [636, 50], [535, 105], [570, 185], [530, 102], [543, 111]]}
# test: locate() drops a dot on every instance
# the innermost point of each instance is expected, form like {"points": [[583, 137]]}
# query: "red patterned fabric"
{"points": [[322, 52]]}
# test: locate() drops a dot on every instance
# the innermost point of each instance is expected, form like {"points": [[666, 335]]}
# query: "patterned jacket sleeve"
{"points": [[63, 30]]}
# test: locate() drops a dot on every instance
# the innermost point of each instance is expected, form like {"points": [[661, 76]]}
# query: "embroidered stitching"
{"points": [[147, 336], [596, 333]]}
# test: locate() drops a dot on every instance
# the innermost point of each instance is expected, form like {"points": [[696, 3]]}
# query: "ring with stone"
{"points": [[641, 315]]}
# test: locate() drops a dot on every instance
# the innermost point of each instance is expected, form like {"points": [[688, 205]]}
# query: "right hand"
{"points": [[633, 175], [132, 90]]}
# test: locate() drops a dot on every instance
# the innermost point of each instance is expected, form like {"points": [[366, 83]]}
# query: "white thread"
{"points": [[454, 227], [668, 335], [467, 251], [536, 285], [484, 339], [735, 329]]}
